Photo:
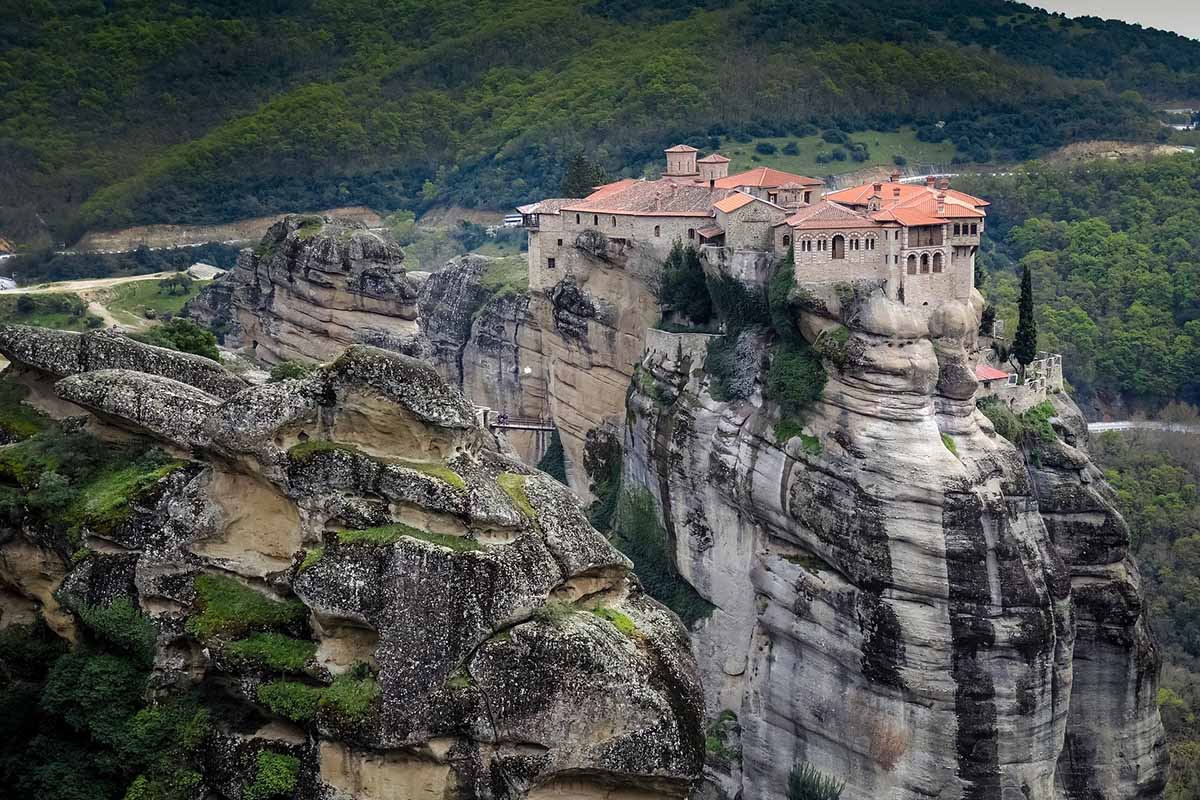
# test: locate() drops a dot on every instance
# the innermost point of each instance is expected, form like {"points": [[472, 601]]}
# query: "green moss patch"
{"points": [[291, 699], [18, 420], [276, 776], [390, 534], [949, 444], [273, 651], [311, 558], [555, 613], [121, 624], [439, 471], [621, 621], [228, 608], [460, 680], [350, 697], [107, 501], [514, 486], [313, 447]]}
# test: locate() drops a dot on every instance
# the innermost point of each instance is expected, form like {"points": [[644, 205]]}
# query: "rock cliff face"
{"points": [[903, 598], [313, 286], [466, 633]]}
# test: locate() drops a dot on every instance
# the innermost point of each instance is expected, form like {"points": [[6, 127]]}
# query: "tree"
{"points": [[581, 177], [684, 290], [1025, 342]]}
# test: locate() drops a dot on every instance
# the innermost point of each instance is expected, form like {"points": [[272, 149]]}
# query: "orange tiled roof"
{"points": [[985, 372], [825, 214], [681, 148], [663, 197], [710, 231], [860, 195], [712, 158], [764, 178], [734, 202]]}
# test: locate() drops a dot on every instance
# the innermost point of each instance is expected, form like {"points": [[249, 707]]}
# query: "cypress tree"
{"points": [[1025, 342], [581, 177]]}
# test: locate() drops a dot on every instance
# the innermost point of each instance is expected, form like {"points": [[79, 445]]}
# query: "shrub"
{"points": [[228, 608], [273, 651], [795, 378], [276, 775], [182, 335], [899, 160], [806, 783], [765, 148], [291, 700], [791, 149], [638, 534], [684, 289], [350, 697], [737, 305], [834, 136], [123, 625], [289, 370]]}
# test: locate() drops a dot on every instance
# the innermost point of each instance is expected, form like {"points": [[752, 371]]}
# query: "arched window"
{"points": [[787, 240], [912, 265], [924, 263], [658, 230], [839, 246], [614, 222], [937, 262], [691, 233]]}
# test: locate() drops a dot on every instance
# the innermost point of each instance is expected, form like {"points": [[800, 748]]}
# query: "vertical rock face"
{"points": [[313, 286], [900, 601], [464, 632]]}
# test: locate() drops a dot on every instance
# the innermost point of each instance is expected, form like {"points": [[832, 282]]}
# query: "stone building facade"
{"points": [[918, 240]]}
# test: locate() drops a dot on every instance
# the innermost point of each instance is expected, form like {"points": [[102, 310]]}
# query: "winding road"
{"points": [[1143, 424]]}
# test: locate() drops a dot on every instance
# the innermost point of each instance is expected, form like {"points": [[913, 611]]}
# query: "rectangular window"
{"points": [[957, 229], [549, 263], [974, 228], [560, 242]]}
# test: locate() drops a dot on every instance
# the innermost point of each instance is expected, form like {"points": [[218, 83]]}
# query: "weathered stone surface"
{"points": [[160, 406], [514, 654], [63, 353], [313, 286], [900, 600]]}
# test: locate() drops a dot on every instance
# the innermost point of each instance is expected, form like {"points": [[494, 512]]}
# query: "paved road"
{"points": [[1143, 424]]}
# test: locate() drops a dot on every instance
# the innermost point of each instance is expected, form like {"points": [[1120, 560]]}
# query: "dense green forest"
{"points": [[128, 111], [1156, 476], [1115, 252]]}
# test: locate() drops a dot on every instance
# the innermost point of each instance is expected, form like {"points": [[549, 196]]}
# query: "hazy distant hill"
{"points": [[113, 113]]}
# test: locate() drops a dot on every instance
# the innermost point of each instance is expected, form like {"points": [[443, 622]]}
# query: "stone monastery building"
{"points": [[920, 240]]}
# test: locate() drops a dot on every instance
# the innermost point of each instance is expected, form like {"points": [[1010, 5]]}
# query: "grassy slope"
{"points": [[129, 301], [373, 102], [882, 146]]}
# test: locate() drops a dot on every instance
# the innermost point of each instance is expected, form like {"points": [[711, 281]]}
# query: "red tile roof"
{"points": [[710, 231], [681, 148], [734, 202], [676, 197], [859, 195], [548, 206], [985, 372], [764, 178], [824, 215], [712, 158]]}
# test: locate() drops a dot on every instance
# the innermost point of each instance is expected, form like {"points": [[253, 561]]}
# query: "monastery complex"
{"points": [[919, 240]]}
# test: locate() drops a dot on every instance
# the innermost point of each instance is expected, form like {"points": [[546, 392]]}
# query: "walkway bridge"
{"points": [[534, 433]]}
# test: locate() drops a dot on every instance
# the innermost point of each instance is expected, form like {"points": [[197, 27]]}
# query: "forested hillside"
{"points": [[131, 111], [1115, 254]]}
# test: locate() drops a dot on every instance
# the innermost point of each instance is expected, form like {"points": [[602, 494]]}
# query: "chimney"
{"points": [[895, 176], [941, 198], [945, 183], [930, 181], [878, 188], [896, 192], [876, 197]]}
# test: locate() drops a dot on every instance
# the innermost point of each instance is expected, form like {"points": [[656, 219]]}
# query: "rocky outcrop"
{"points": [[466, 633], [313, 286], [904, 600]]}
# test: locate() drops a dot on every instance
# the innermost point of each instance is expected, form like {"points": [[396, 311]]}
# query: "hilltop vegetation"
{"points": [[141, 112], [1115, 253]]}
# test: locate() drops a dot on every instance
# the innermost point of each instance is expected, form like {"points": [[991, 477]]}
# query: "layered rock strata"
{"points": [[904, 600], [490, 642], [313, 286]]}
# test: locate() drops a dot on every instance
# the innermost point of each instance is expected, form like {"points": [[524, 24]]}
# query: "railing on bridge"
{"points": [[503, 421]]}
